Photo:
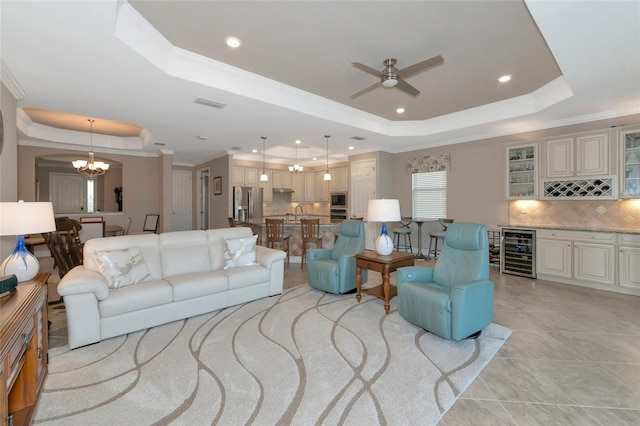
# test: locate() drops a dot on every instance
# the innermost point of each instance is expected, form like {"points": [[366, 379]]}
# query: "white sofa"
{"points": [[187, 278]]}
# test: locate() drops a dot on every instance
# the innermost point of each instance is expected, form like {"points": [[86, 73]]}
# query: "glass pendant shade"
{"points": [[263, 176]]}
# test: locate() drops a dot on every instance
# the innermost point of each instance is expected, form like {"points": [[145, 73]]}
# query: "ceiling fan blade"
{"points": [[366, 69], [403, 85], [368, 89], [420, 66]]}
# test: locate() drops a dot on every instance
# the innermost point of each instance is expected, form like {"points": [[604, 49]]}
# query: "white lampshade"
{"points": [[20, 218], [384, 210]]}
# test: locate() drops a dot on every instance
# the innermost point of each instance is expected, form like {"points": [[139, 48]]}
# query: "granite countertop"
{"points": [[289, 220], [576, 228]]}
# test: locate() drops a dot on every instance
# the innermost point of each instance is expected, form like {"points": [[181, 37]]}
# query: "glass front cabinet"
{"points": [[630, 167], [522, 171]]}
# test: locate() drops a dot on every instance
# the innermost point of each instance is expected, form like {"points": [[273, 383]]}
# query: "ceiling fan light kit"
{"points": [[391, 77]]}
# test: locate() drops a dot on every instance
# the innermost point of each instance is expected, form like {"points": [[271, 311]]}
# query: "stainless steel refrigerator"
{"points": [[247, 204]]}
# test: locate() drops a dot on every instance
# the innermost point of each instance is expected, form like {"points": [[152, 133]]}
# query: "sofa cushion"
{"points": [[240, 252], [147, 244], [197, 284], [136, 297], [247, 276], [183, 260], [215, 239], [122, 267]]}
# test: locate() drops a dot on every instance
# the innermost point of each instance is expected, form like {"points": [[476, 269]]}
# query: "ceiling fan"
{"points": [[390, 76]]}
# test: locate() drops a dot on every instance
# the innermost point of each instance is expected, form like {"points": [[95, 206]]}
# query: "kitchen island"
{"points": [[329, 228]]}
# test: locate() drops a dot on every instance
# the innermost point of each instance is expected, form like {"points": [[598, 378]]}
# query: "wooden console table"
{"points": [[23, 349], [385, 265]]}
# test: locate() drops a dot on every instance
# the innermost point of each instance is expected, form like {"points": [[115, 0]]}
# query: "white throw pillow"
{"points": [[122, 267], [240, 252]]}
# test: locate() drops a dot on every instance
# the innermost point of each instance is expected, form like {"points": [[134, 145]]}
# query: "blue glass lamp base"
{"points": [[20, 263], [384, 243]]}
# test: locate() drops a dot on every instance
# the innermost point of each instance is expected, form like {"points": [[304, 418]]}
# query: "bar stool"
{"points": [[310, 235], [437, 236], [405, 231], [276, 234]]}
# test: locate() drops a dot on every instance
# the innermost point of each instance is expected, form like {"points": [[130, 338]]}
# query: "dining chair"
{"points": [[92, 227], [438, 236], [232, 222], [277, 235], [127, 227], [310, 235]]}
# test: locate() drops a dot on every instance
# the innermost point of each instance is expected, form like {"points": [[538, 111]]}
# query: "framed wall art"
{"points": [[217, 185]]}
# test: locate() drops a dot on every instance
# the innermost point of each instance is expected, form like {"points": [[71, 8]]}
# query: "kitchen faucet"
{"points": [[296, 212]]}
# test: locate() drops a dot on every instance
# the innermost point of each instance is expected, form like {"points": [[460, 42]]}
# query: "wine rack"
{"points": [[602, 187]]}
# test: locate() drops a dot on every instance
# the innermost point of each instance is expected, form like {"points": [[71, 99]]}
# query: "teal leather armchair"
{"points": [[334, 270], [453, 299]]}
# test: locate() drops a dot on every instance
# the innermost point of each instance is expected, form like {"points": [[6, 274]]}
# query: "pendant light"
{"points": [[327, 175], [263, 176], [296, 168], [90, 168]]}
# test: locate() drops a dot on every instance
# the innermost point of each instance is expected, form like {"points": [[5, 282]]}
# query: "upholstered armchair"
{"points": [[334, 270], [453, 299]]}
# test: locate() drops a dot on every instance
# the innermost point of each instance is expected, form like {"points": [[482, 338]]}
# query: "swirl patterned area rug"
{"points": [[302, 358]]}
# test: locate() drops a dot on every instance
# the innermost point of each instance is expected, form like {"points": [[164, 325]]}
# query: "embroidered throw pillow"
{"points": [[122, 267], [240, 252]]}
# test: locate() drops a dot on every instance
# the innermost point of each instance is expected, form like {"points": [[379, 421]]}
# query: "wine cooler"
{"points": [[518, 252]]}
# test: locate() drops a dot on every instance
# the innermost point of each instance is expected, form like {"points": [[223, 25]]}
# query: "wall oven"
{"points": [[339, 200], [338, 213]]}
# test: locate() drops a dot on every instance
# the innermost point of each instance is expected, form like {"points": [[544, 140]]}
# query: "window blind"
{"points": [[429, 195]]}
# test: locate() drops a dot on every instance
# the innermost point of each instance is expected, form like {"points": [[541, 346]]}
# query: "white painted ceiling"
{"points": [[145, 63]]}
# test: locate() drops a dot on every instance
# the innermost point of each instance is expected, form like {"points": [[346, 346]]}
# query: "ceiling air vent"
{"points": [[358, 138], [209, 103], [159, 144]]}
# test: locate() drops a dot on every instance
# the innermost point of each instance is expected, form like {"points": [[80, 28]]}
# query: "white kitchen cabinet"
{"points": [[267, 187], [559, 158], [309, 187], [321, 188], [583, 258], [281, 178], [585, 155], [298, 185], [244, 176], [629, 261], [339, 179], [594, 262], [553, 257], [630, 162], [522, 172], [592, 155]]}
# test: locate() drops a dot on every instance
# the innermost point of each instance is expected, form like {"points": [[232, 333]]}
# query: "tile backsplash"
{"points": [[282, 204], [605, 214]]}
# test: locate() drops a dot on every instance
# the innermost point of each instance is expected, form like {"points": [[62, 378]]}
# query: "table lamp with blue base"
{"points": [[384, 211], [23, 218]]}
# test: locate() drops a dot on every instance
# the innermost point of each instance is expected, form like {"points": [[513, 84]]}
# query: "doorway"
{"points": [[203, 199], [182, 199]]}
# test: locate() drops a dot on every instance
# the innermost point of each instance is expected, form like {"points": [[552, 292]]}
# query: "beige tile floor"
{"points": [[573, 357]]}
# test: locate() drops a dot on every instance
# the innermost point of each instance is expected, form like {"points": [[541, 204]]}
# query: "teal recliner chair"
{"points": [[454, 299], [334, 270]]}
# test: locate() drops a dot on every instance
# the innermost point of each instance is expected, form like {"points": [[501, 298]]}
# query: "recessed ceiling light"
{"points": [[351, 147], [504, 78], [298, 141], [400, 110], [232, 41], [314, 158], [254, 150]]}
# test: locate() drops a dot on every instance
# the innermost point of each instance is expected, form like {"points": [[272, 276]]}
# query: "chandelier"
{"points": [[90, 168], [263, 176], [296, 168], [327, 175]]}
